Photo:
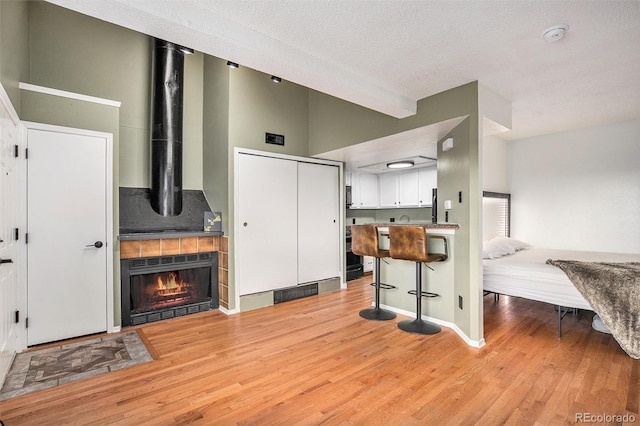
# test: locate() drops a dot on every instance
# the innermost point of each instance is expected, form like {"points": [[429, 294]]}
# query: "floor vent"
{"points": [[294, 293], [146, 317]]}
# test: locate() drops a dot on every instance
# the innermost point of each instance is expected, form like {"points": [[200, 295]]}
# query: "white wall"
{"points": [[495, 164], [578, 190]]}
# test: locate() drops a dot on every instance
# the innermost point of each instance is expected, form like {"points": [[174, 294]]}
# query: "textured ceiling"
{"points": [[386, 55]]}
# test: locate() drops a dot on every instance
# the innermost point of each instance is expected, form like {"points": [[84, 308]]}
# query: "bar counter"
{"points": [[401, 273]]}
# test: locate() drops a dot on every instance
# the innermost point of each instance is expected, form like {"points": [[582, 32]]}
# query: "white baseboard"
{"points": [[228, 311], [473, 343]]}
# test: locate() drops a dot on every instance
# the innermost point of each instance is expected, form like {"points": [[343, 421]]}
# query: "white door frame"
{"points": [[26, 126], [10, 343]]}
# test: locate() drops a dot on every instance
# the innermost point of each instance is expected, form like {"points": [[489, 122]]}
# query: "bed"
{"points": [[526, 274], [514, 268]]}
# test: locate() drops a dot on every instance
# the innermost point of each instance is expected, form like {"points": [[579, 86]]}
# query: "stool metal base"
{"points": [[419, 326], [377, 314]]}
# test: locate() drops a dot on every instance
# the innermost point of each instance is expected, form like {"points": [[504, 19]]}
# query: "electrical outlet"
{"points": [[460, 302]]}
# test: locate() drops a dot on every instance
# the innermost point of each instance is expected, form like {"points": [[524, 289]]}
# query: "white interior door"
{"points": [[318, 224], [9, 219], [266, 229], [67, 229]]}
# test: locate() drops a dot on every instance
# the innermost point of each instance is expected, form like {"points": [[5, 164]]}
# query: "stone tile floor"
{"points": [[46, 368]]}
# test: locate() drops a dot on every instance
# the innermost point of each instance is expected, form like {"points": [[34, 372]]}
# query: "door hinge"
{"points": [[26, 322], [15, 151], [26, 238], [16, 234], [17, 318], [26, 153]]}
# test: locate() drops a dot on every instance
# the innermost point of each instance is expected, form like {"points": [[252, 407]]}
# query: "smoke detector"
{"points": [[555, 33]]}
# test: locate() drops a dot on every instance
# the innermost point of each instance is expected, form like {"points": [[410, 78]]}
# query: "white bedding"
{"points": [[525, 274]]}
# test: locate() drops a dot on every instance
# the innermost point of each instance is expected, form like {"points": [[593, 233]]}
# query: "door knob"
{"points": [[5, 261], [97, 244]]}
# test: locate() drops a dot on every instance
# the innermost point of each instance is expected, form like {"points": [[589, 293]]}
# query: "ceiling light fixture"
{"points": [[405, 164], [276, 79], [555, 33], [232, 64]]}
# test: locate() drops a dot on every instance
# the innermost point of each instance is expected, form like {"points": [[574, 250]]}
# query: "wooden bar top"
{"points": [[427, 225]]}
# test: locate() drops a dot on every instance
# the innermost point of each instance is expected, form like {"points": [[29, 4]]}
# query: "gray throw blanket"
{"points": [[613, 291]]}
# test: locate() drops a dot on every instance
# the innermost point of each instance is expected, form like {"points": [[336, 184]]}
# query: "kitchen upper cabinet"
{"points": [[428, 179], [364, 190], [408, 189], [399, 189], [412, 188], [388, 186]]}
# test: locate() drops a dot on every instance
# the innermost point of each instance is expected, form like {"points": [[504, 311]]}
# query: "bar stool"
{"points": [[408, 242], [365, 242]]}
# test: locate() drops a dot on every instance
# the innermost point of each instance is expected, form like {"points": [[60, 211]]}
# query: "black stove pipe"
{"points": [[166, 128]]}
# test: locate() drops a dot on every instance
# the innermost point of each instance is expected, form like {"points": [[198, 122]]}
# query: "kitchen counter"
{"points": [[427, 225], [437, 278]]}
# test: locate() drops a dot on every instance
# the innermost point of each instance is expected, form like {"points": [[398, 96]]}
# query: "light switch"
{"points": [[447, 204]]}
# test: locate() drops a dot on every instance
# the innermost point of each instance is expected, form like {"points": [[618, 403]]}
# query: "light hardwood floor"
{"points": [[314, 361]]}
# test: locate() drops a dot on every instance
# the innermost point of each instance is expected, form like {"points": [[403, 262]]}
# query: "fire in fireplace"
{"points": [[156, 288], [165, 289]]}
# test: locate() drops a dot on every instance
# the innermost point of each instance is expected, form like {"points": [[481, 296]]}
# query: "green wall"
{"points": [[77, 53], [258, 105], [14, 47], [216, 157]]}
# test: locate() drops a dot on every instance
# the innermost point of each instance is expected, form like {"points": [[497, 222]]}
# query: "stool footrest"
{"points": [[384, 286], [424, 293]]}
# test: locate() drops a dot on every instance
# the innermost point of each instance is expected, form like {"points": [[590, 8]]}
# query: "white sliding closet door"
{"points": [[267, 222], [318, 232]]}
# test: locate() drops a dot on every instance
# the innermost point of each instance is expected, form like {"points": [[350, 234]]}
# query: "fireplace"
{"points": [[162, 287], [169, 250]]}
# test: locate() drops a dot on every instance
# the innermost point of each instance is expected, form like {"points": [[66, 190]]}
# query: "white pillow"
{"points": [[501, 246]]}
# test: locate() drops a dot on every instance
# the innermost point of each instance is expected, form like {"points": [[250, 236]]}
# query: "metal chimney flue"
{"points": [[166, 128]]}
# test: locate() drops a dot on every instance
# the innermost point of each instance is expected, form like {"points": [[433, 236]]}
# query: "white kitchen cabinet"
{"points": [[408, 189], [364, 190], [388, 190], [428, 179], [367, 263], [399, 189], [318, 224]]}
